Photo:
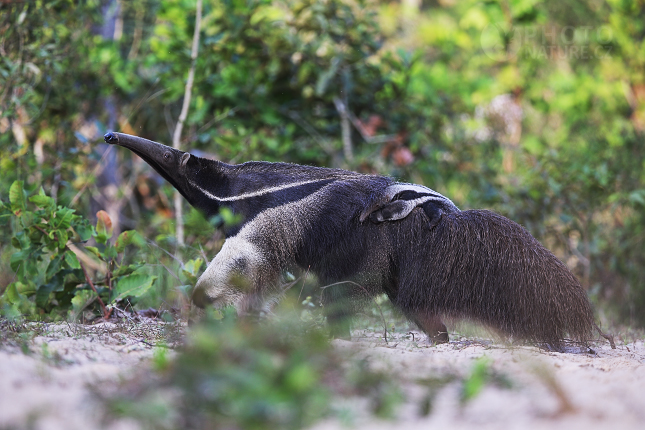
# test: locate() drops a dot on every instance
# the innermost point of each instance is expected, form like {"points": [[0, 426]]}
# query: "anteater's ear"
{"points": [[184, 160]]}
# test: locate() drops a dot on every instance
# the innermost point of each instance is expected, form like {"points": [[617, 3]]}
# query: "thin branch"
{"points": [[609, 337], [345, 129], [150, 242], [384, 138], [176, 138], [201, 250], [106, 313], [303, 283], [82, 256], [299, 120], [214, 120]]}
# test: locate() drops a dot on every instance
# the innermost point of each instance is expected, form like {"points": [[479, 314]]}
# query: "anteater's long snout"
{"points": [[135, 143], [111, 138]]}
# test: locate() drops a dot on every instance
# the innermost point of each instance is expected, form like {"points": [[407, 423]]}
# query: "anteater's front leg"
{"points": [[239, 275], [337, 306]]}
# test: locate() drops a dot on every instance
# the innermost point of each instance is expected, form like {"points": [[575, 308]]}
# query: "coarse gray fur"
{"points": [[367, 234]]}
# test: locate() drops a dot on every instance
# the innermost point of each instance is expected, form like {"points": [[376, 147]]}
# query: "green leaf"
{"points": [[100, 237], [109, 252], [54, 266], [42, 200], [127, 238], [473, 385], [94, 250], [191, 270], [84, 230], [301, 378], [17, 197], [27, 219], [133, 285], [20, 241], [27, 289], [72, 260], [63, 237], [11, 293], [80, 302], [64, 217], [637, 197], [123, 240], [230, 219], [42, 294], [18, 260]]}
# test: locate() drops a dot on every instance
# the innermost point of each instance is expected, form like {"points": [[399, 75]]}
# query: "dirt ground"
{"points": [[51, 387]]}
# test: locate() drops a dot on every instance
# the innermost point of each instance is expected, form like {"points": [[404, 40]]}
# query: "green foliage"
{"points": [[51, 282], [231, 373]]}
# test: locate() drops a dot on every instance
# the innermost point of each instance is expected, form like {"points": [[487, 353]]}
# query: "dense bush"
{"points": [[51, 278]]}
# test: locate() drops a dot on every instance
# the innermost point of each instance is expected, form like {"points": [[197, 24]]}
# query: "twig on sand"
{"points": [[106, 313]]}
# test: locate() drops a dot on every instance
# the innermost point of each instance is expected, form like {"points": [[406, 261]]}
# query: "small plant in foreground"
{"points": [[482, 374], [52, 279], [235, 373]]}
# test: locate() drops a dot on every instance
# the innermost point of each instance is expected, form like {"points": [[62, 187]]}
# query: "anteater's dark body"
{"points": [[368, 234]]}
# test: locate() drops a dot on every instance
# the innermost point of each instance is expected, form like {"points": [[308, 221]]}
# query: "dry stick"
{"points": [[106, 314], [203, 254], [384, 138], [609, 337], [303, 283], [176, 138], [82, 256], [345, 129]]}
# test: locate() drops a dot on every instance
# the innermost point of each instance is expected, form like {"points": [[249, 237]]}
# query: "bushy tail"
{"points": [[483, 266]]}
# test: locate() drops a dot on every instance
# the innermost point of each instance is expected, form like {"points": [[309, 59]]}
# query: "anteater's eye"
{"points": [[166, 156]]}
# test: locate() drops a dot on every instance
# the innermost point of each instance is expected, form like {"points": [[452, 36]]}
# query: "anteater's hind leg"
{"points": [[433, 327]]}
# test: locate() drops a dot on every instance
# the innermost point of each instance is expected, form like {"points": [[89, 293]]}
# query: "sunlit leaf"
{"points": [[94, 250], [42, 200], [126, 238], [103, 226], [17, 197], [133, 285], [72, 260]]}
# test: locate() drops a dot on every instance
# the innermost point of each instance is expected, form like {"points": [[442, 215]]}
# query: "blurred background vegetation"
{"points": [[535, 109]]}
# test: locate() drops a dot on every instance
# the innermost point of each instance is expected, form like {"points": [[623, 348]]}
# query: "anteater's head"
{"points": [[177, 167]]}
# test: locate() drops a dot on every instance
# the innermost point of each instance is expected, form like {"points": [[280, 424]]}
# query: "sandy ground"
{"points": [[50, 388]]}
